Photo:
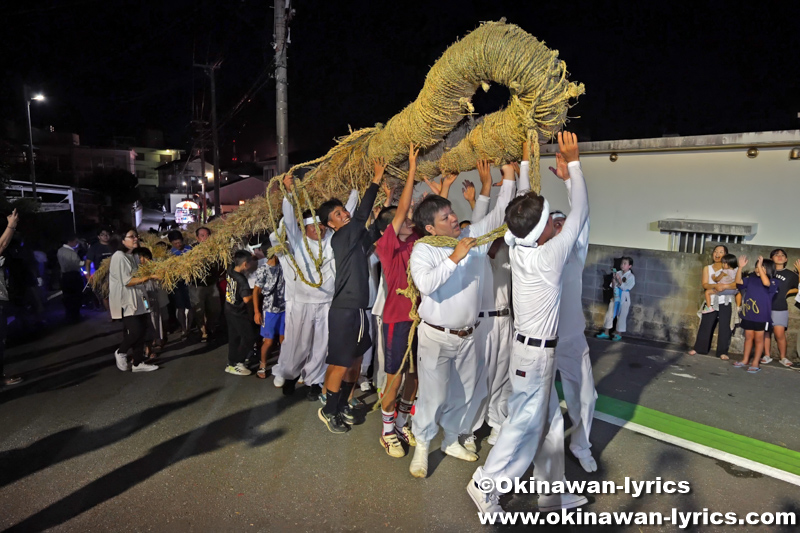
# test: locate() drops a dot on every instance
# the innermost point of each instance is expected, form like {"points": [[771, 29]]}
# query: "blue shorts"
{"points": [[274, 325], [395, 337]]}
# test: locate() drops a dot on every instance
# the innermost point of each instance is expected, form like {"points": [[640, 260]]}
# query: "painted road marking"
{"points": [[774, 461]]}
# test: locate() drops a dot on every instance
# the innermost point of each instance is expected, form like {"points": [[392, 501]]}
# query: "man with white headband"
{"points": [[450, 281], [534, 429], [572, 352], [306, 332]]}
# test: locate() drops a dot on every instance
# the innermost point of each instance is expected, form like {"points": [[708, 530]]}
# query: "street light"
{"points": [[28, 98]]}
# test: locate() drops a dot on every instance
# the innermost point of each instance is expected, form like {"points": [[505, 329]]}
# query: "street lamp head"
{"points": [[38, 97]]}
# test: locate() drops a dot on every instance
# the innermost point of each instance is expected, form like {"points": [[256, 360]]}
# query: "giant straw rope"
{"points": [[496, 52]]}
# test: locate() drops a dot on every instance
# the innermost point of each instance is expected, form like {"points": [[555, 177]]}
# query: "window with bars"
{"points": [[695, 236]]}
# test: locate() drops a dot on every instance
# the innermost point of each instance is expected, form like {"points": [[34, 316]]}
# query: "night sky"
{"points": [[116, 67]]}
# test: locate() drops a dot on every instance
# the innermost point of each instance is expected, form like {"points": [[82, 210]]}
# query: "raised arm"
{"points": [[495, 218], [5, 238], [561, 245], [762, 272], [468, 189], [742, 263], [447, 181], [481, 207], [362, 212], [294, 234], [406, 196], [524, 184]]}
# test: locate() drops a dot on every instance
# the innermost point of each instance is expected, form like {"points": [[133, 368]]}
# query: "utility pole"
{"points": [[282, 8], [209, 69]]}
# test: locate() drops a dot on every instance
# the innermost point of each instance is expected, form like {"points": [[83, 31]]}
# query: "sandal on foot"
{"points": [[739, 364], [766, 360], [262, 373], [691, 352], [785, 362], [723, 357], [753, 370]]}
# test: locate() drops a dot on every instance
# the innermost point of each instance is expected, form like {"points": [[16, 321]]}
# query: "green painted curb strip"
{"points": [[719, 439]]}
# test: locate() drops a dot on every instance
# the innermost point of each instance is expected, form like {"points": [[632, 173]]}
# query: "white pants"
{"points": [[577, 381], [369, 354], [622, 318], [490, 401], [447, 372], [534, 429], [305, 343]]}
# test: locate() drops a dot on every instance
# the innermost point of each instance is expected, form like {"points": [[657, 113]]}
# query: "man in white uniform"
{"points": [[572, 352], [534, 428], [306, 333], [450, 282]]}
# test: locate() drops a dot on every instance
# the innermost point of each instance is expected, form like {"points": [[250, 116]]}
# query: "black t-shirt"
{"points": [[350, 245], [97, 252], [238, 289], [787, 280]]}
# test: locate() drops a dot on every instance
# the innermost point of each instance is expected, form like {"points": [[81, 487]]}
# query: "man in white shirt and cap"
{"points": [[534, 429], [450, 281], [306, 333]]}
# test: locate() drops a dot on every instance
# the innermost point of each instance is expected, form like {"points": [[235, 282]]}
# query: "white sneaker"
{"points": [[470, 443], [122, 360], [459, 452], [555, 502], [486, 503], [301, 381], [588, 463], [278, 381], [238, 370], [492, 440], [365, 386], [419, 464], [144, 367], [392, 445]]}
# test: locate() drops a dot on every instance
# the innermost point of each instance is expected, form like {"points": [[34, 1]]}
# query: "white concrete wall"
{"points": [[629, 196]]}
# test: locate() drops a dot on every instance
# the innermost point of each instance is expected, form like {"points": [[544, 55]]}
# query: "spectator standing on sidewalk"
{"points": [[787, 286], [5, 238], [96, 254], [72, 281], [129, 303]]}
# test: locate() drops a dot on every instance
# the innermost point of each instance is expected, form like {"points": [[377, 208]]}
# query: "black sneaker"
{"points": [[288, 386], [314, 392], [352, 416], [334, 423]]}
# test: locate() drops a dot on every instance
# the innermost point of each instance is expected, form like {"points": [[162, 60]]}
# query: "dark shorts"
{"points": [[348, 335], [395, 338], [749, 325], [274, 325]]}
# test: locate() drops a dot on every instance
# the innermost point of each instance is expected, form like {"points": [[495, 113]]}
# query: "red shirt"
{"points": [[394, 255]]}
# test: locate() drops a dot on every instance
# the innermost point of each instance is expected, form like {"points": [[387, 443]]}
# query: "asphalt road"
{"points": [[85, 447]]}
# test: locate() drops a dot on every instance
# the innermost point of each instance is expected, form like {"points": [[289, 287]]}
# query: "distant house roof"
{"points": [[244, 189]]}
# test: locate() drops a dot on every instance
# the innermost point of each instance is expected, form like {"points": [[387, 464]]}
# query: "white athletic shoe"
{"points": [[144, 367], [301, 381], [238, 370], [459, 452], [588, 463], [486, 503], [492, 440], [392, 445], [419, 464], [278, 381], [555, 502], [122, 360], [471, 444]]}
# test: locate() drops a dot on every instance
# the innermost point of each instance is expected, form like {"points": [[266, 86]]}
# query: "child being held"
{"points": [[725, 276], [758, 290]]}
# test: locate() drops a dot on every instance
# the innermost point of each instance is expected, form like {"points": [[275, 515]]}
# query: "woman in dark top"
{"points": [[758, 289], [787, 286], [709, 321]]}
